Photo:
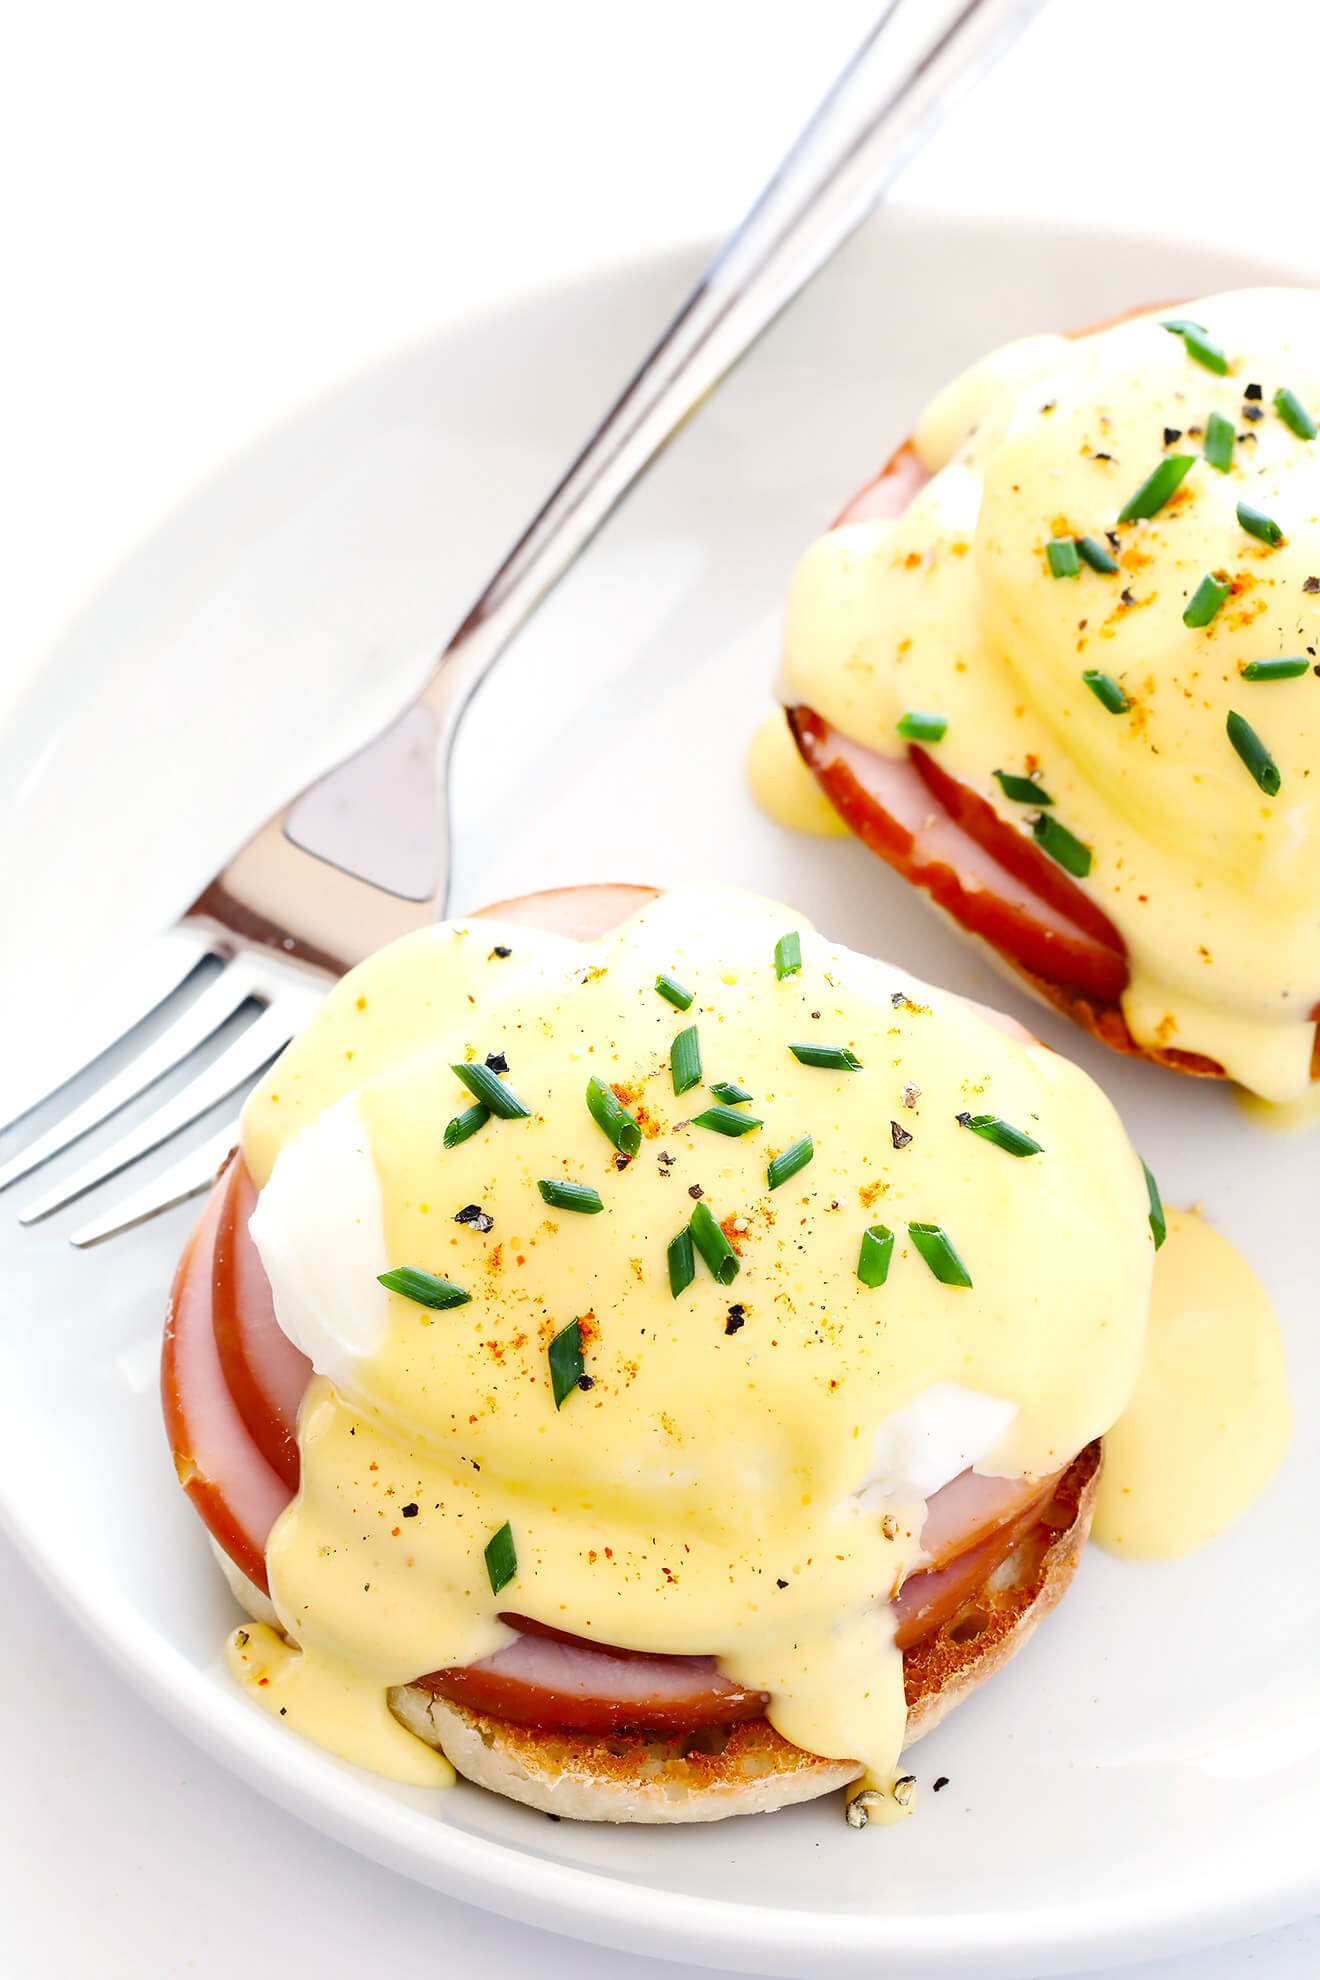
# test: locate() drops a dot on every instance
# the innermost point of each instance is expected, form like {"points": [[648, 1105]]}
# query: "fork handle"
{"points": [[377, 825], [875, 116]]}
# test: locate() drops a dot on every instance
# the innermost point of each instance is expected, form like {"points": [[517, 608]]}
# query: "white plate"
{"points": [[1145, 1777]]}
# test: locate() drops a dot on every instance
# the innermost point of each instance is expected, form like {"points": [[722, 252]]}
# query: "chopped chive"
{"points": [[1055, 839], [785, 1166], [1107, 691], [673, 992], [724, 1089], [491, 1091], [919, 727], [1092, 551], [682, 1264], [1156, 489], [423, 1288], [1022, 789], [465, 1125], [1061, 556], [501, 1559], [1254, 754], [567, 1366], [1293, 413], [1206, 600], [990, 1128], [788, 954], [937, 1248], [726, 1120], [877, 1250], [570, 1196], [1219, 437], [685, 1060], [612, 1117], [1199, 345], [720, 1256], [1158, 1228], [1275, 670], [835, 1058], [1257, 524]]}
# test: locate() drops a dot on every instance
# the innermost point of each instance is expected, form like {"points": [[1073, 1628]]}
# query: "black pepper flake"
{"points": [[1252, 392], [1102, 457], [779, 1583], [1311, 584], [815, 1014], [963, 1118], [1125, 596], [665, 1159], [1113, 539], [1253, 412], [500, 951], [942, 1782], [550, 1816], [696, 1191], [621, 1162], [1172, 433], [900, 1136], [475, 1217], [497, 1062], [737, 1315], [410, 1510], [898, 998], [586, 1381]]}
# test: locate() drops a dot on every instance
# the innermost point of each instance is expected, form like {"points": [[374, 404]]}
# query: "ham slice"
{"points": [[969, 1507], [237, 1493], [931, 1598], [997, 885], [889, 493], [266, 1374], [544, 1678]]}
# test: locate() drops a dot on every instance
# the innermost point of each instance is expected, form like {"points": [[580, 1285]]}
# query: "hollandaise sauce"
{"points": [[1100, 616], [1209, 1420], [652, 1288], [783, 786]]}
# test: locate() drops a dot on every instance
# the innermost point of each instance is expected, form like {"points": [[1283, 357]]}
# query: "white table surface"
{"points": [[215, 216]]}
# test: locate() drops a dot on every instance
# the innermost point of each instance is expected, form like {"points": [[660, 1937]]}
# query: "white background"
{"points": [[212, 216]]}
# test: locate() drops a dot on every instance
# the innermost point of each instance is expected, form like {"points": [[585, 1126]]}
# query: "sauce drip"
{"points": [[783, 786], [336, 1703], [1209, 1420]]}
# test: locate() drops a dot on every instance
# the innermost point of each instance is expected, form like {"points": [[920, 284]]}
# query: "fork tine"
{"points": [[237, 1064], [192, 1028], [133, 995], [189, 1176]]}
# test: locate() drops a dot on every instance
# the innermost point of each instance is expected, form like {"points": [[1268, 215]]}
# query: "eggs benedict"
{"points": [[651, 1359], [1057, 665]]}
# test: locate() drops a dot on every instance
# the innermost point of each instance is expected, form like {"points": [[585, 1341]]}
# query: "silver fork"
{"points": [[362, 855]]}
